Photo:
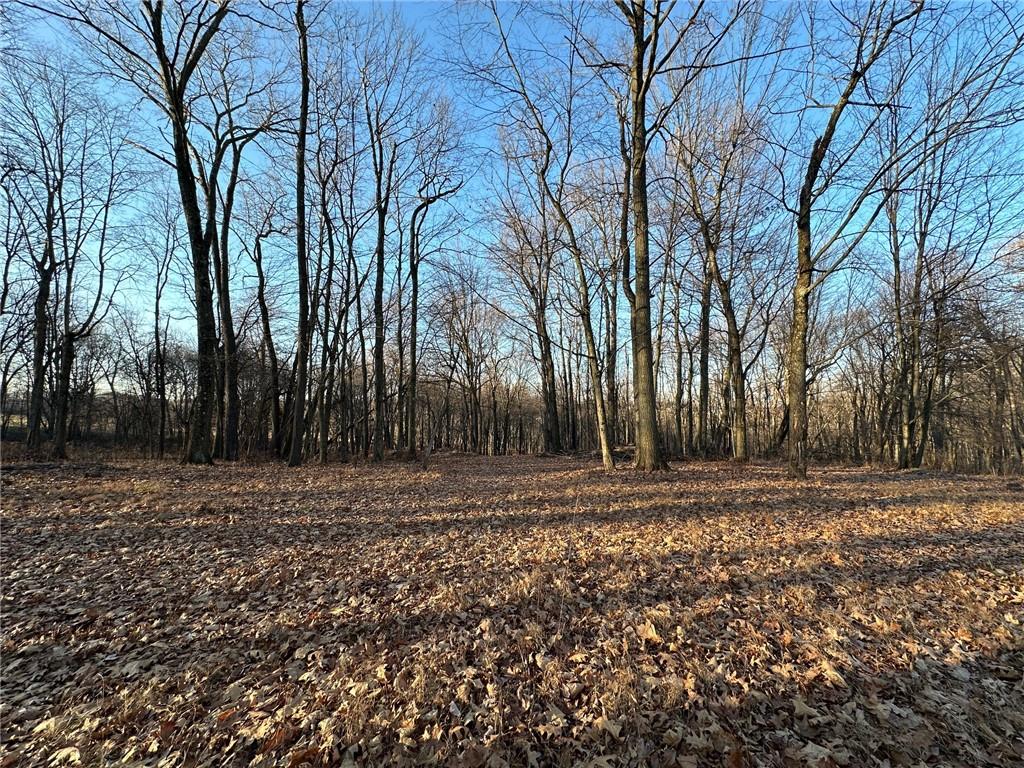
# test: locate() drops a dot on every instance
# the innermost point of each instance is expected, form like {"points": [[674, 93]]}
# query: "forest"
{"points": [[502, 229], [497, 382]]}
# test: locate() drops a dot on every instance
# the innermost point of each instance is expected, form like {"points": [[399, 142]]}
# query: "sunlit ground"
{"points": [[511, 611]]}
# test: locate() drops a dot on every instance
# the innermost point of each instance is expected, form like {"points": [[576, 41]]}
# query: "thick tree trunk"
{"points": [[648, 443], [60, 416], [199, 449], [39, 331], [549, 391], [740, 449], [232, 401], [603, 427], [797, 363], [737, 376]]}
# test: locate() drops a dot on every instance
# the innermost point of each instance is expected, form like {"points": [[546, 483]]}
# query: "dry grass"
{"points": [[510, 612]]}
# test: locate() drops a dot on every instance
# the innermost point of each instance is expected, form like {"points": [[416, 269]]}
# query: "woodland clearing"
{"points": [[510, 611]]}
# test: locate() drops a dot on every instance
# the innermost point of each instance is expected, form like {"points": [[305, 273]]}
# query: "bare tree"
{"points": [[719, 143], [436, 182], [659, 45], [158, 50], [302, 347], [965, 105], [555, 119]]}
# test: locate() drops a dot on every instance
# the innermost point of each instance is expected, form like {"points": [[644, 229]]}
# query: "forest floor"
{"points": [[512, 611]]}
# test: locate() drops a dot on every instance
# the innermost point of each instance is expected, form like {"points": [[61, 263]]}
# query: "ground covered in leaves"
{"points": [[521, 611]]}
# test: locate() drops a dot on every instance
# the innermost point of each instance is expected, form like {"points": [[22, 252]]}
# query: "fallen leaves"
{"points": [[612, 727], [497, 612], [648, 633]]}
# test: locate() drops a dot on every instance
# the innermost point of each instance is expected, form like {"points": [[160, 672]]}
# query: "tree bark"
{"points": [[797, 364], [39, 331], [302, 346], [648, 443]]}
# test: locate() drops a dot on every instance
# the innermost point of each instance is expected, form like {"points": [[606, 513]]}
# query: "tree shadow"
{"points": [[769, 643]]}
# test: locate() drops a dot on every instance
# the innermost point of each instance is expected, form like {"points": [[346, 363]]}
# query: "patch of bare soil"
{"points": [[514, 611]]}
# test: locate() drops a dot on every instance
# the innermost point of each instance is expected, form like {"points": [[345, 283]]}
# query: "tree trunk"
{"points": [[737, 376], [704, 391], [39, 330], [549, 391], [648, 443], [302, 346], [232, 401], [410, 393], [382, 199], [60, 416], [797, 364], [611, 358], [276, 416], [199, 449]]}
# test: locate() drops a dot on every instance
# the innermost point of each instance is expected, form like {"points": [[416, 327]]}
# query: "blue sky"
{"points": [[435, 22]]}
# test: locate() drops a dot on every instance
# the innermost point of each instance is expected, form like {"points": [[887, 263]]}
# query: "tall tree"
{"points": [[644, 65], [435, 186], [159, 50], [302, 346], [872, 38], [971, 99], [392, 95], [656, 43], [545, 122]]}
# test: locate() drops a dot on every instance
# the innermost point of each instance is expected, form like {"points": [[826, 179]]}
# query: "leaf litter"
{"points": [[507, 612]]}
